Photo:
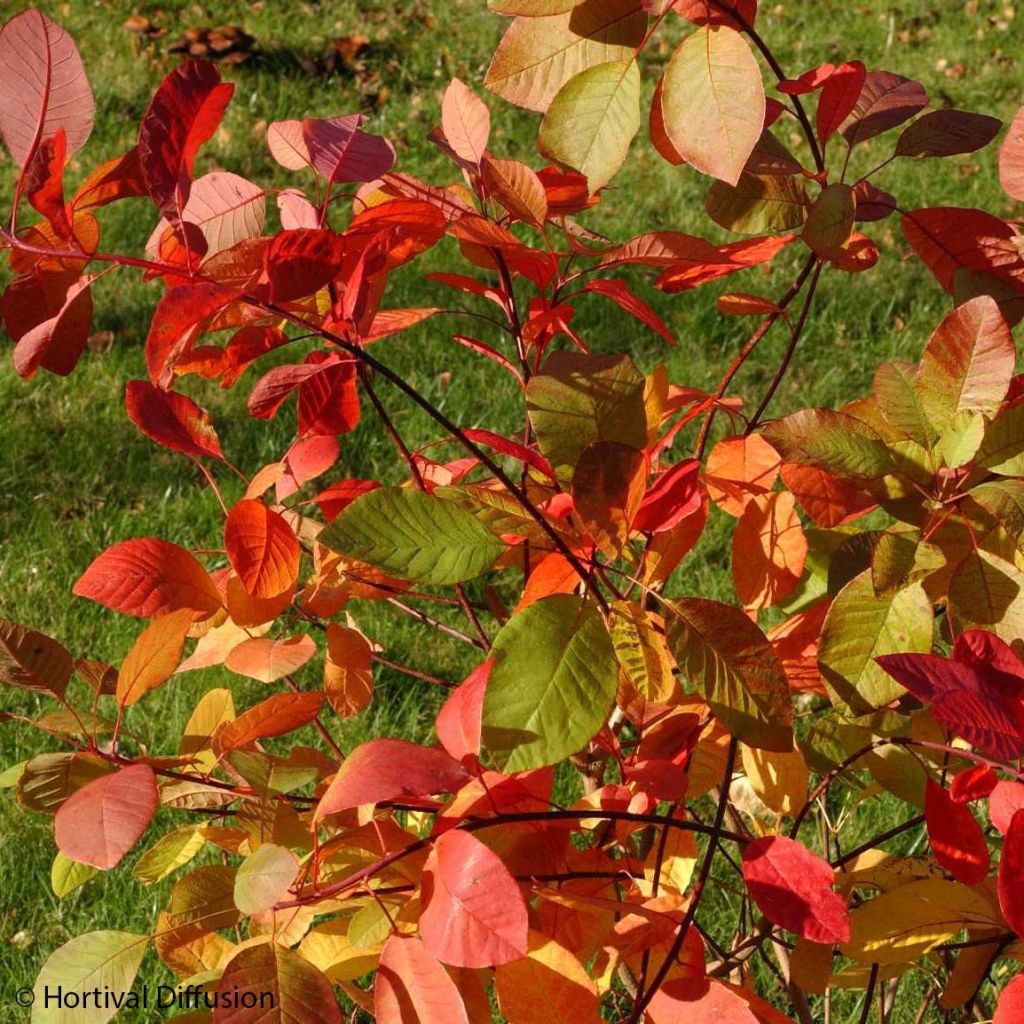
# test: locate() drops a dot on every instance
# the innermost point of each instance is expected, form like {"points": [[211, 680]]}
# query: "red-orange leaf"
{"points": [[172, 420], [99, 823], [458, 721], [388, 769], [793, 889], [1011, 158], [955, 835], [691, 999], [148, 577], [413, 988], [267, 660], [473, 912], [262, 549]]}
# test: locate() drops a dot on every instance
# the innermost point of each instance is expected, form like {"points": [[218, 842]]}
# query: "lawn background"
{"points": [[75, 476]]}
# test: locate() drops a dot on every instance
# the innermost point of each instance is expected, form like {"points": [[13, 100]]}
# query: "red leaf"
{"points": [[341, 152], [336, 498], [99, 823], [729, 259], [172, 420], [793, 889], [972, 784], [809, 81], [872, 202], [262, 549], [955, 835], [301, 262], [827, 500], [1010, 1009], [703, 12], [176, 323], [49, 316], [274, 387], [619, 293], [838, 97], [458, 721], [981, 704], [329, 399], [1005, 801], [382, 770], [147, 578], [1011, 158], [473, 912], [947, 238], [184, 113], [305, 460], [947, 133], [275, 716], [413, 988], [44, 182], [674, 495], [43, 86], [528, 456], [1011, 875], [885, 101]]}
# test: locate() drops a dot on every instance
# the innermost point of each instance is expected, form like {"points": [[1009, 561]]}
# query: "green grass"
{"points": [[75, 477]]}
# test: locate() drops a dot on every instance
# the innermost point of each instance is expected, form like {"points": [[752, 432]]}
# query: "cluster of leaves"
{"points": [[425, 883]]}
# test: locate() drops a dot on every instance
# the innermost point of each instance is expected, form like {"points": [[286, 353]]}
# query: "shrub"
{"points": [[877, 557]]}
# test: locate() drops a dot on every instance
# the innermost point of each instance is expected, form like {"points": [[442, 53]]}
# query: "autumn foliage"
{"points": [[875, 643]]}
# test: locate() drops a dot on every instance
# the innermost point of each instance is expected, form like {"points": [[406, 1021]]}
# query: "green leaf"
{"points": [[413, 535], [967, 364], [898, 396], [66, 875], [987, 591], [713, 101], [578, 400], [104, 960], [263, 878], [830, 221], [592, 121], [833, 441], [552, 685], [1002, 450], [731, 662], [758, 204], [860, 627], [1004, 501]]}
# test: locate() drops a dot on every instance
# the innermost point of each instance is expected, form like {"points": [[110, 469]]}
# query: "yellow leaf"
{"points": [[780, 780]]}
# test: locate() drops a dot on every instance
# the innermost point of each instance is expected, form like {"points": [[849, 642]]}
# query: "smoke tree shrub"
{"points": [[440, 883]]}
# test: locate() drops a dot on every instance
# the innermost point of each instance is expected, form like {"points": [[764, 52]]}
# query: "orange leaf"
{"points": [[153, 658], [275, 716], [768, 550], [738, 469], [348, 670], [262, 549]]}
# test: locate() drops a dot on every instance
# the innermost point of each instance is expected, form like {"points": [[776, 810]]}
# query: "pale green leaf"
{"points": [[66, 875], [104, 960], [263, 878], [170, 852], [592, 121]]}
